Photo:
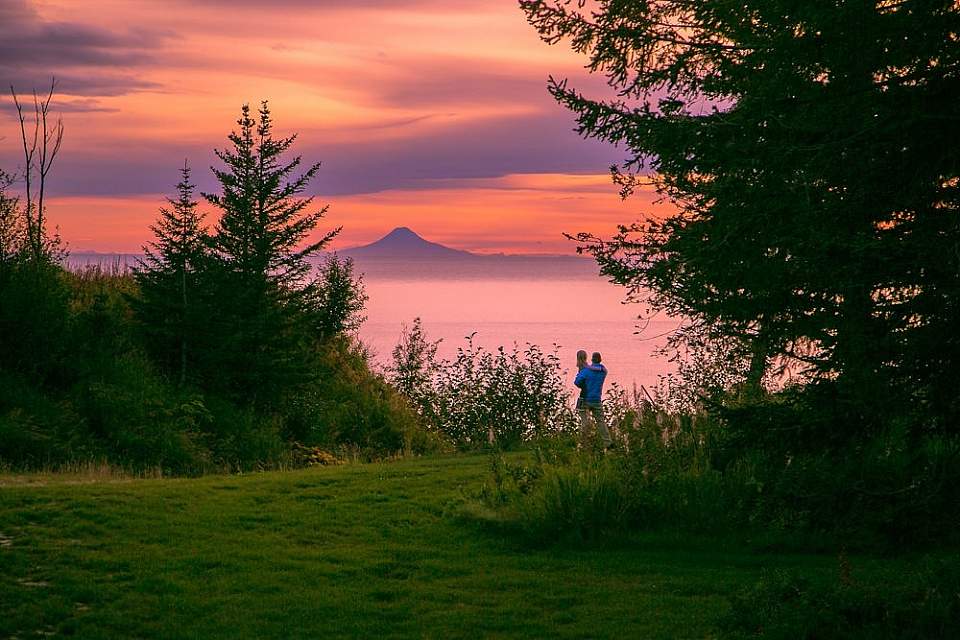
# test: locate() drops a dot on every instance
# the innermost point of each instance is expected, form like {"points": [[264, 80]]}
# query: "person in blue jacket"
{"points": [[590, 403]]}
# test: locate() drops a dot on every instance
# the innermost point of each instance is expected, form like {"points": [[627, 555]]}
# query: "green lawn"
{"points": [[374, 550]]}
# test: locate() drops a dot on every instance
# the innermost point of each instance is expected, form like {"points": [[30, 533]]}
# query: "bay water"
{"points": [[561, 304]]}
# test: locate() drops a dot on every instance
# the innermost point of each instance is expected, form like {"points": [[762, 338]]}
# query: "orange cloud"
{"points": [[426, 113], [513, 214]]}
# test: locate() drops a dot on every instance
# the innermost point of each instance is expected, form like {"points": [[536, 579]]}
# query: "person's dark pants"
{"points": [[594, 410]]}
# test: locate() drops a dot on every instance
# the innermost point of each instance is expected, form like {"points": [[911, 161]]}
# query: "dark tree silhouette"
{"points": [[263, 233], [336, 298], [810, 149], [12, 233], [260, 248], [169, 275], [41, 140]]}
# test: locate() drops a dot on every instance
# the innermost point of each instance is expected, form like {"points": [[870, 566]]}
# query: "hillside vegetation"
{"points": [[374, 550]]}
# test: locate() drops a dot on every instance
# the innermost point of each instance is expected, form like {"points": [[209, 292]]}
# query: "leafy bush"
{"points": [[659, 476], [37, 429], [348, 405], [888, 491], [924, 605], [34, 320], [129, 412], [579, 502], [481, 396], [678, 471], [95, 394]]}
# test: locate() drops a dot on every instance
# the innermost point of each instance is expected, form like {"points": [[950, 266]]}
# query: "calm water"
{"points": [[510, 301], [506, 301]]}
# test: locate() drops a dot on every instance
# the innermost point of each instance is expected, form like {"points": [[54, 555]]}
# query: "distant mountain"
{"points": [[404, 255], [404, 244]]}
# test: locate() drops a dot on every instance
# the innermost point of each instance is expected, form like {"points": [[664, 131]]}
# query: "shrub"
{"points": [[34, 321], [923, 605], [139, 422], [37, 429], [94, 394], [243, 439], [481, 396], [678, 471], [348, 405], [890, 490], [579, 502]]}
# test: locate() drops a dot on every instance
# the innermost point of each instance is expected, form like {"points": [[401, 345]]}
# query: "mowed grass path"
{"points": [[372, 550]]}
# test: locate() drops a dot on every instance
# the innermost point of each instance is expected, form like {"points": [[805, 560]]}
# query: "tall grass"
{"points": [[659, 475], [922, 603], [678, 472]]}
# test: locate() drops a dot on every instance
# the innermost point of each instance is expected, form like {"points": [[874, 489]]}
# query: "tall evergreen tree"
{"points": [[810, 150], [336, 298], [261, 247], [169, 276], [263, 234]]}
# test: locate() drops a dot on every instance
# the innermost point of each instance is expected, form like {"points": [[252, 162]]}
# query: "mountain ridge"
{"points": [[404, 243]]}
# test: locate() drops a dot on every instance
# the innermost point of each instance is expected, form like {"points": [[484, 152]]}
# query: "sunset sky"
{"points": [[427, 113]]}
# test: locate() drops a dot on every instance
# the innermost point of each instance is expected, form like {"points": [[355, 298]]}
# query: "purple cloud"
{"points": [[517, 144], [88, 61]]}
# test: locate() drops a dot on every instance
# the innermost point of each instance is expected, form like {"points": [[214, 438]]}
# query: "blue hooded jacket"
{"points": [[590, 380]]}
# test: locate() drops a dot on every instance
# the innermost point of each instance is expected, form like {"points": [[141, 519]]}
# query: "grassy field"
{"points": [[376, 550]]}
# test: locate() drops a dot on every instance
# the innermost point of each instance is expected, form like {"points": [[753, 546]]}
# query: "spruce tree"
{"points": [[169, 276], [336, 298], [810, 150], [263, 234], [261, 246]]}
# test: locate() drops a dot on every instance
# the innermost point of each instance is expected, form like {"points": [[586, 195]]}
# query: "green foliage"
{"points": [[336, 298], [658, 476], [353, 551], [577, 502], [708, 366], [481, 397], [135, 419], [12, 226], [101, 317], [890, 492], [169, 307], [780, 131], [262, 306], [36, 429], [240, 438], [98, 395], [682, 472], [413, 367], [921, 604], [34, 319], [347, 405]]}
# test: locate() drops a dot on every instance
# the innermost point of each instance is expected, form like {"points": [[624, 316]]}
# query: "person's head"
{"points": [[581, 359], [595, 358]]}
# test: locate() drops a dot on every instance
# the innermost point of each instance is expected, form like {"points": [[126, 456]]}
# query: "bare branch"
{"points": [[40, 149], [29, 149], [52, 140]]}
